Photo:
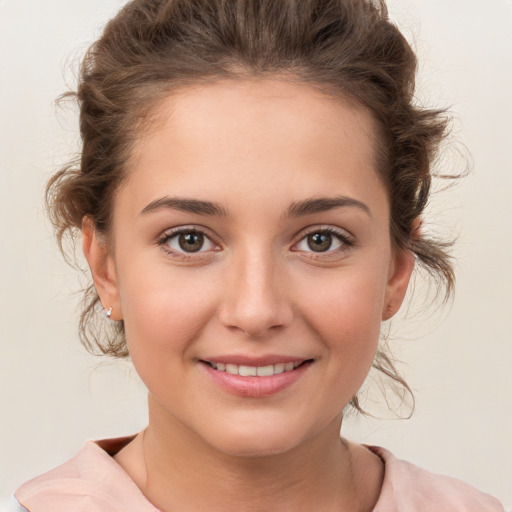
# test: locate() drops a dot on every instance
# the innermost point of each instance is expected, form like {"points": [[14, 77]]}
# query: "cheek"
{"points": [[346, 311], [164, 310], [164, 315], [347, 302]]}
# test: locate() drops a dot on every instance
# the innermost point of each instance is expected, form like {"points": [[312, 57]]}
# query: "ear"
{"points": [[400, 273], [102, 267]]}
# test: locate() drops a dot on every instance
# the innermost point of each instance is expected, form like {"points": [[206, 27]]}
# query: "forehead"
{"points": [[251, 104], [267, 133]]}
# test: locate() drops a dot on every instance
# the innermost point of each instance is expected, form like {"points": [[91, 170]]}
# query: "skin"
{"points": [[255, 288]]}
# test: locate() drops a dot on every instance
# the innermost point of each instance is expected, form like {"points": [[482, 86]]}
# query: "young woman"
{"points": [[250, 193]]}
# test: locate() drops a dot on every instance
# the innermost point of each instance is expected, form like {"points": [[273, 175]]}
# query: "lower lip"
{"points": [[256, 387]]}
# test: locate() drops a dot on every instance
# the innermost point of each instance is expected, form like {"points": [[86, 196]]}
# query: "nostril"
{"points": [[255, 321], [253, 298]]}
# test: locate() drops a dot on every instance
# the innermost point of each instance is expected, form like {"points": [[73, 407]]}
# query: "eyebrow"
{"points": [[323, 204], [297, 209], [186, 205]]}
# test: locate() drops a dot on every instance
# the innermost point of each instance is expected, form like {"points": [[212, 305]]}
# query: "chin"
{"points": [[253, 441], [255, 447]]}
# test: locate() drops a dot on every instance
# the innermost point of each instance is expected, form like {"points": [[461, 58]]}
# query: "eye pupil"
{"points": [[191, 242], [320, 242]]}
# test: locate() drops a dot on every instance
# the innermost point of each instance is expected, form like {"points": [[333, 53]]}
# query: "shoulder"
{"points": [[91, 481], [408, 488]]}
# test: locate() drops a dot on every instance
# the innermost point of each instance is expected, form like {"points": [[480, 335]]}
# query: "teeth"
{"points": [[247, 371], [232, 369], [279, 368], [253, 371], [265, 371]]}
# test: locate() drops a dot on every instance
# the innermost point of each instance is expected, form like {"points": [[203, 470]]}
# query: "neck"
{"points": [[178, 470]]}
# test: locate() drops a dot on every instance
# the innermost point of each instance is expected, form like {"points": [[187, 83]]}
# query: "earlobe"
{"points": [[402, 268], [97, 254]]}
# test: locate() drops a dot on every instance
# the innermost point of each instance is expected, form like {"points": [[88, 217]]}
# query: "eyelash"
{"points": [[346, 241], [175, 232]]}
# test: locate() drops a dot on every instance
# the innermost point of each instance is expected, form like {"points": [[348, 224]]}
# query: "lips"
{"points": [[263, 378]]}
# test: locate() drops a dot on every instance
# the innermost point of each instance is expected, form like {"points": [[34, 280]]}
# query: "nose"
{"points": [[255, 298]]}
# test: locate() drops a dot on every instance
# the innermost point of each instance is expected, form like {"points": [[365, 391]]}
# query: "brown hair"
{"points": [[347, 48]]}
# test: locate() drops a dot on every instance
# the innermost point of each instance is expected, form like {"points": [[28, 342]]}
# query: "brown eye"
{"points": [[328, 240], [191, 242], [319, 242], [187, 241]]}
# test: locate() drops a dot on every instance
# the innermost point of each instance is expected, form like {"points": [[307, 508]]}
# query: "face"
{"points": [[252, 263]]}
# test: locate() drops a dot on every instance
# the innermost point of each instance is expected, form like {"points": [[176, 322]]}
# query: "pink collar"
{"points": [[92, 481]]}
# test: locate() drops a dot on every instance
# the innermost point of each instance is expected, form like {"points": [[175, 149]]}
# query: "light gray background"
{"points": [[54, 396]]}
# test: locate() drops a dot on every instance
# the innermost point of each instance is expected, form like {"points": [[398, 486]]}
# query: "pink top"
{"points": [[93, 482]]}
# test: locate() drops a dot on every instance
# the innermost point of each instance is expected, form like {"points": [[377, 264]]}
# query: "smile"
{"points": [[258, 380], [254, 371]]}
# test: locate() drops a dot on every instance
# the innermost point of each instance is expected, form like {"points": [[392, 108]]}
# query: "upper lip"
{"points": [[245, 360]]}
